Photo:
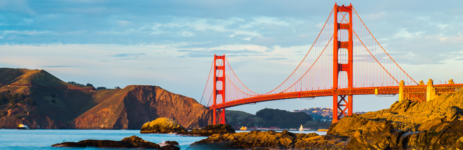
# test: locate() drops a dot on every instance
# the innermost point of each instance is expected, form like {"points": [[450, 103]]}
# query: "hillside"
{"points": [[40, 100], [133, 106]]}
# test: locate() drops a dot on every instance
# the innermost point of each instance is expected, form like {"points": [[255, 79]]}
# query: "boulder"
{"points": [[163, 125], [212, 129], [128, 142], [252, 140]]}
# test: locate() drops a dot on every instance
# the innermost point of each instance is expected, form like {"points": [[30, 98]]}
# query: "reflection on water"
{"points": [[12, 139]]}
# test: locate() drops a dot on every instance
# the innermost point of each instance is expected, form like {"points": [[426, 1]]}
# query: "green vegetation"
{"points": [[12, 99], [283, 118], [270, 117], [239, 118]]}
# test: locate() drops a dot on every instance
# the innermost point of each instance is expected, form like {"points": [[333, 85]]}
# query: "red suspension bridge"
{"points": [[345, 60]]}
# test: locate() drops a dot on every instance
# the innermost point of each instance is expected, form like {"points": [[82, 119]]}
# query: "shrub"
{"points": [[53, 101], [33, 103], [22, 102]]}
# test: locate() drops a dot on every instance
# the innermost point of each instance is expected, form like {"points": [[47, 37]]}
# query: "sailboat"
{"points": [[301, 128]]}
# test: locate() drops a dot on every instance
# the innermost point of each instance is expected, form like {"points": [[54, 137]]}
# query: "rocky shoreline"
{"points": [[167, 125], [128, 142], [406, 125]]}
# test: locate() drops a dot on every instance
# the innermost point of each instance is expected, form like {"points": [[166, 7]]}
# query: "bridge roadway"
{"points": [[384, 90]]}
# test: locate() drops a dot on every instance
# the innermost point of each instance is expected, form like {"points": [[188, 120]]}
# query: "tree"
{"points": [[12, 101], [21, 96], [16, 97], [2, 99], [33, 102], [88, 84], [283, 118]]}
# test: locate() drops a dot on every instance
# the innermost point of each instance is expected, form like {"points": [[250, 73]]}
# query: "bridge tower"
{"points": [[219, 76], [342, 104]]}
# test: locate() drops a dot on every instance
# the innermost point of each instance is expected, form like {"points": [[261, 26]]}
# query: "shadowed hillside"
{"points": [[40, 100]]}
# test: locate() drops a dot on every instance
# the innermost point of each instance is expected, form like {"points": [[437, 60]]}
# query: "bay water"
{"points": [[13, 139]]}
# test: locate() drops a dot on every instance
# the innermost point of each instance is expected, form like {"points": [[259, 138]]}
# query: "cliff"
{"points": [[40, 100]]}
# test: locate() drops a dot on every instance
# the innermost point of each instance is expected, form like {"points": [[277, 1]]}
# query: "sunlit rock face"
{"points": [[436, 124], [162, 125]]}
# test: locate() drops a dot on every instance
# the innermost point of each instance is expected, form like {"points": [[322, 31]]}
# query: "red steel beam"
{"points": [[413, 89]]}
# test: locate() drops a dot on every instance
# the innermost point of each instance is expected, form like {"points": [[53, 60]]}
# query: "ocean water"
{"points": [[12, 139]]}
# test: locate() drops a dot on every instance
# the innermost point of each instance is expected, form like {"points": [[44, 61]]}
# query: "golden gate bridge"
{"points": [[344, 60]]}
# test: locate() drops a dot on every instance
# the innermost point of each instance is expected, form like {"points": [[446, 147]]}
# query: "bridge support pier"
{"points": [[342, 106]]}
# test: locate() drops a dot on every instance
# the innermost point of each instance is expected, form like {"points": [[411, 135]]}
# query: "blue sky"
{"points": [[171, 43]]}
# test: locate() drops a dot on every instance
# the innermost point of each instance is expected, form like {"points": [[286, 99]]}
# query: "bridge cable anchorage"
{"points": [[207, 81], [304, 56], [382, 46]]}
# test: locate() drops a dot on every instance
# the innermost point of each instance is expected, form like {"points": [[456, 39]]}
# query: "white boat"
{"points": [[23, 126], [301, 128]]}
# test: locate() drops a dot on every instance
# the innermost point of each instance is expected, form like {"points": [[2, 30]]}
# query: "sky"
{"points": [[171, 43]]}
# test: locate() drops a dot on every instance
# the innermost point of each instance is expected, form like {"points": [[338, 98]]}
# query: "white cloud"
{"points": [[403, 33], [187, 34]]}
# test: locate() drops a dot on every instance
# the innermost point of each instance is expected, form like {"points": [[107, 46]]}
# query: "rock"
{"points": [[435, 124], [133, 138], [212, 129], [162, 125], [406, 125], [171, 142], [128, 142], [251, 140]]}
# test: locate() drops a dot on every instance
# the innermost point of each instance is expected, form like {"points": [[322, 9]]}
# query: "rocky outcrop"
{"points": [[265, 140], [162, 125], [128, 142], [166, 125], [406, 125], [212, 129], [436, 124]]}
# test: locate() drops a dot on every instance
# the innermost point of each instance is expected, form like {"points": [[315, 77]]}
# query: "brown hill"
{"points": [[41, 100], [133, 106]]}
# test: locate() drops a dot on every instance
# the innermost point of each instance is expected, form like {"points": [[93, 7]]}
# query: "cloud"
{"points": [[128, 55], [403, 33], [209, 54], [276, 58], [57, 66]]}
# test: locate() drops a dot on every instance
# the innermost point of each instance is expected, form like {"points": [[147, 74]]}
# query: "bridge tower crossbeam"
{"points": [[219, 76], [342, 104]]}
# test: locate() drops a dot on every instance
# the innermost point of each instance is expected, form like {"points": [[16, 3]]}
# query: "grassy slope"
{"points": [[240, 118], [69, 103]]}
